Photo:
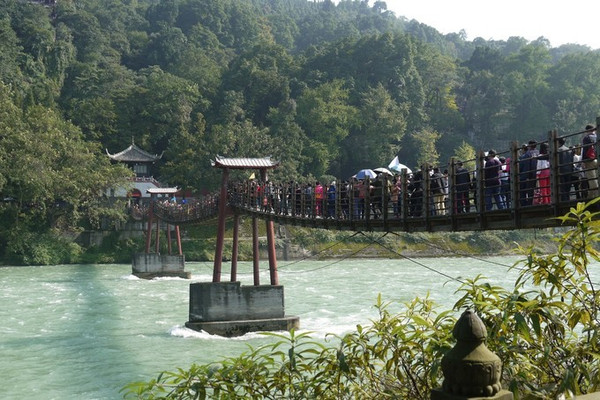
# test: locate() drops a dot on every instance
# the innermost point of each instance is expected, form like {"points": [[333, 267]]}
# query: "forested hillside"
{"points": [[326, 89]]}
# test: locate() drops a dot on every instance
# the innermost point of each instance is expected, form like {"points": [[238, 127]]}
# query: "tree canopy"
{"points": [[325, 88]]}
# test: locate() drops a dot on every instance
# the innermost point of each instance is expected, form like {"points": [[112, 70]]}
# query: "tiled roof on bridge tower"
{"points": [[157, 190], [134, 154], [244, 163]]}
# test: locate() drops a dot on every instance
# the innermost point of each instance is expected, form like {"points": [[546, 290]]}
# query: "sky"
{"points": [[560, 23]]}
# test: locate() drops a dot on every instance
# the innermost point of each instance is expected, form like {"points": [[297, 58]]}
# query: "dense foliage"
{"points": [[546, 330], [325, 88]]}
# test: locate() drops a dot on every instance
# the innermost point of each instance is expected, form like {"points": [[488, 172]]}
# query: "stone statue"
{"points": [[471, 370]]}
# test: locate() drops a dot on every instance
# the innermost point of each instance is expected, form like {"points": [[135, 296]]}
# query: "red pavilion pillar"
{"points": [[178, 233], [270, 241], [255, 255], [220, 227], [234, 250], [149, 227]]}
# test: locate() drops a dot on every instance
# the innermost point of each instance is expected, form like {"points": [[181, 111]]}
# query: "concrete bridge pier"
{"points": [[230, 309], [153, 265]]}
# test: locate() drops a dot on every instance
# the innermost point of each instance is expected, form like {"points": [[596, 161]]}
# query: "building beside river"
{"points": [[143, 164]]}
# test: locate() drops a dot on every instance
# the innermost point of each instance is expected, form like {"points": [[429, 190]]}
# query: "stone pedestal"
{"points": [[230, 309], [152, 265], [471, 370], [438, 394]]}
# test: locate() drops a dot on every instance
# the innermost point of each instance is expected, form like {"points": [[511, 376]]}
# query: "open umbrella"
{"points": [[383, 171], [365, 173], [396, 166], [399, 167]]}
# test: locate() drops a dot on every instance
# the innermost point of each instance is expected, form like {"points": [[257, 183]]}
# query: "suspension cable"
{"points": [[322, 251], [414, 261]]}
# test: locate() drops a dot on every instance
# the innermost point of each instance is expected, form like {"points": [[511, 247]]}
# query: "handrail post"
{"points": [[303, 201], [337, 201], [367, 206], [313, 201], [452, 201], [427, 198], [597, 148], [452, 187], [384, 201], [404, 196], [220, 227], [479, 179], [150, 220], [554, 170], [350, 194], [295, 199], [515, 183]]}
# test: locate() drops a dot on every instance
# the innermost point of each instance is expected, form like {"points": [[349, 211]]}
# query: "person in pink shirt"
{"points": [[319, 199]]}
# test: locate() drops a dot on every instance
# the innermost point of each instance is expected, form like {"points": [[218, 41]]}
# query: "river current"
{"points": [[85, 331]]}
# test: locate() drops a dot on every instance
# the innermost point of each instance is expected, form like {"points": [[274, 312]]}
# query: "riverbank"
{"points": [[295, 243], [292, 243], [328, 244]]}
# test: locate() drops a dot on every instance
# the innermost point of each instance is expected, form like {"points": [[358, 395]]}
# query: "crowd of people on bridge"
{"points": [[176, 209], [438, 191]]}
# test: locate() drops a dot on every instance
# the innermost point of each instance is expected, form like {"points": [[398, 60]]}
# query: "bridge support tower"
{"points": [[228, 308], [149, 265]]}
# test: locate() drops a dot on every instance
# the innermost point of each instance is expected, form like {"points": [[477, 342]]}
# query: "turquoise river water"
{"points": [[85, 331]]}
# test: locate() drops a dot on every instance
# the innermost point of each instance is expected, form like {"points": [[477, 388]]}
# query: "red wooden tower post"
{"points": [[230, 308], [262, 164]]}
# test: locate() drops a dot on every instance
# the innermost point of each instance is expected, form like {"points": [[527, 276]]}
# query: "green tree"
{"points": [[484, 103], [56, 180], [156, 109], [166, 47], [546, 329], [440, 77], [203, 61], [95, 97], [35, 31], [162, 14], [262, 75], [10, 51], [467, 154], [88, 37], [288, 141], [376, 139], [284, 30], [326, 117], [526, 85], [188, 159], [425, 145], [574, 91], [61, 55]]}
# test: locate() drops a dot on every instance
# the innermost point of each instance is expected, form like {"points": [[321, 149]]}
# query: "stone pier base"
{"points": [[230, 309], [152, 265]]}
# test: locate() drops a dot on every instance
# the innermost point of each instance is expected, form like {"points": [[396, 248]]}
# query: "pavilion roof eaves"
{"points": [[134, 154], [244, 163]]}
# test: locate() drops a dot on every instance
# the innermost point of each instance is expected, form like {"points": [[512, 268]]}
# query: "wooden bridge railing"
{"points": [[193, 212], [526, 195]]}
